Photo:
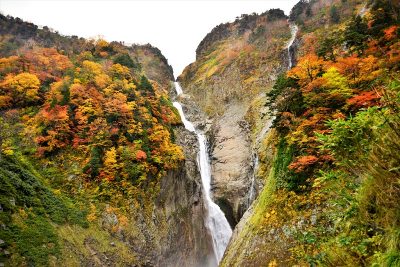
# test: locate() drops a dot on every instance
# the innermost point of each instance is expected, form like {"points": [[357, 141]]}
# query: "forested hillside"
{"points": [[299, 116], [85, 139], [331, 194]]}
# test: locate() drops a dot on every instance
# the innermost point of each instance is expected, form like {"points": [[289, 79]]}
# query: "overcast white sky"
{"points": [[175, 27]]}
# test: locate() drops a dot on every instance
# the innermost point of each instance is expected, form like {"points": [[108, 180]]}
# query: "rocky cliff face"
{"points": [[180, 203], [235, 63], [161, 223]]}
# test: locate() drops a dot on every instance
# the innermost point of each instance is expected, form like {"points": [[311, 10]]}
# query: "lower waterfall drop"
{"points": [[215, 221]]}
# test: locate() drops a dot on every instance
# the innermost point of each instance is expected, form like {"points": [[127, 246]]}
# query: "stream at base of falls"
{"points": [[215, 221]]}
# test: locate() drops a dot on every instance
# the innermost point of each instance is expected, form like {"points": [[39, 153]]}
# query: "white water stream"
{"points": [[251, 195], [215, 221], [293, 29]]}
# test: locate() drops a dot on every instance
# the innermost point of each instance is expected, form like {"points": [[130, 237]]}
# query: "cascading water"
{"points": [[215, 221], [252, 190], [293, 31]]}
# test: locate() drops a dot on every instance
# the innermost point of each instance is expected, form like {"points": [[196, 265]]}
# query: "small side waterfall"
{"points": [[215, 221], [293, 29], [251, 194]]}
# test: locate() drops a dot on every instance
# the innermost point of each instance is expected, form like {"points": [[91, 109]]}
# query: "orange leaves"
{"points": [[141, 155], [302, 163], [56, 114], [47, 63], [57, 132], [364, 99], [307, 69], [5, 101], [96, 110], [391, 32], [359, 70]]}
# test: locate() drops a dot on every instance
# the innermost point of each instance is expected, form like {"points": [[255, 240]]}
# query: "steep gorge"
{"points": [[235, 62], [291, 134], [133, 211], [291, 160]]}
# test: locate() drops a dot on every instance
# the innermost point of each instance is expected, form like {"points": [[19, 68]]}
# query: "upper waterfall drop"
{"points": [[293, 30], [215, 221], [188, 125]]}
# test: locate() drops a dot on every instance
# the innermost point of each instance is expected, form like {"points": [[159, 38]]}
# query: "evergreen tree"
{"points": [[145, 84], [334, 14], [356, 35]]}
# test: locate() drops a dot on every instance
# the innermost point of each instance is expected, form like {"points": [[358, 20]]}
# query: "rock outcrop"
{"points": [[180, 202], [235, 63]]}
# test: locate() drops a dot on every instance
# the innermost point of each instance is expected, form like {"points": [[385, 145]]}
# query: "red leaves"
{"points": [[364, 99], [391, 32], [302, 163]]}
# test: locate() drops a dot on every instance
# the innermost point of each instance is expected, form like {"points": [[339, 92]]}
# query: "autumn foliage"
{"points": [[333, 80], [95, 109]]}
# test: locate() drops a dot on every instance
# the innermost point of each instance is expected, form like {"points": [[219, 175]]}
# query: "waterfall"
{"points": [[215, 221], [251, 194], [293, 31], [252, 190]]}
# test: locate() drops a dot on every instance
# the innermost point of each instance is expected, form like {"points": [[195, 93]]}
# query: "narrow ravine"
{"points": [[215, 221], [293, 29], [251, 195]]}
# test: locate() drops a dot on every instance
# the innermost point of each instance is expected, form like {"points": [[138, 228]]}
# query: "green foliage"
{"points": [[145, 84], [36, 240], [326, 46], [384, 14], [281, 83], [29, 210], [286, 178], [352, 138], [298, 10], [95, 163], [356, 35], [125, 60], [334, 14]]}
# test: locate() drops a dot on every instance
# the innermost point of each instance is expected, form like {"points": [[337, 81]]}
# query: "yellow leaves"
{"points": [[102, 80], [307, 69], [120, 72], [101, 44], [8, 63], [336, 82], [55, 91], [164, 150], [273, 263], [89, 71], [22, 82], [92, 216], [22, 87], [110, 158], [92, 67]]}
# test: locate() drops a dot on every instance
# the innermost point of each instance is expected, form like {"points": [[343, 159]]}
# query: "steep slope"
{"points": [[95, 167], [329, 165], [235, 63], [331, 182]]}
